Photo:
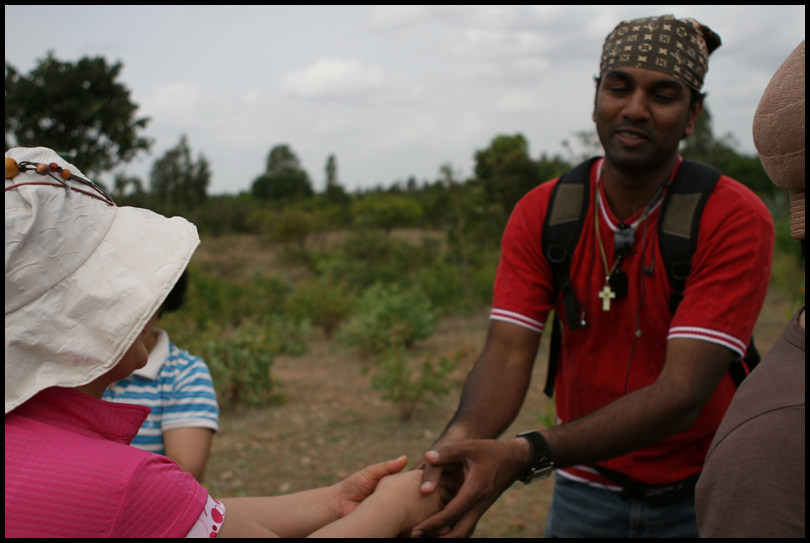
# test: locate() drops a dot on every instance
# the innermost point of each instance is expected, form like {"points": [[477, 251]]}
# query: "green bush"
{"points": [[241, 358], [370, 257], [386, 211], [386, 316], [240, 364], [213, 299], [444, 286], [408, 383], [320, 302], [288, 225]]}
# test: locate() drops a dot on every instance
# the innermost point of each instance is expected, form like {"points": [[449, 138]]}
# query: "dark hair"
{"points": [[177, 296]]}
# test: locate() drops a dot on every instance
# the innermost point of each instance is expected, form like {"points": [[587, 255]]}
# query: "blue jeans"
{"points": [[579, 510]]}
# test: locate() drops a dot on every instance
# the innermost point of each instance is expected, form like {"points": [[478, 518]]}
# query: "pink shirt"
{"points": [[70, 472]]}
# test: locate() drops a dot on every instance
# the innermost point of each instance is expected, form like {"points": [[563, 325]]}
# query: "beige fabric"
{"points": [[82, 279], [779, 133]]}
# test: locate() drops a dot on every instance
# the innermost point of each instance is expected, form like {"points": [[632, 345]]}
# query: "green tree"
{"points": [[78, 109], [177, 182], [505, 170], [129, 190], [280, 158], [334, 193], [284, 179], [286, 225], [331, 171]]}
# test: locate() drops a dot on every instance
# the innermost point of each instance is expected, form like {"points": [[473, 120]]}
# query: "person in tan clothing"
{"points": [[752, 483]]}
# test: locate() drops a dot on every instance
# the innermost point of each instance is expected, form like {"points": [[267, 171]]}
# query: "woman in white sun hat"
{"points": [[83, 276]]}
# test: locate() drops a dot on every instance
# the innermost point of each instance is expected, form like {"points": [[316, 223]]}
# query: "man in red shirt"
{"points": [[640, 390]]}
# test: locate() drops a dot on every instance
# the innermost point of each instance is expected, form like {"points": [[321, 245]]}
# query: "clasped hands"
{"points": [[478, 470], [390, 496], [447, 491]]}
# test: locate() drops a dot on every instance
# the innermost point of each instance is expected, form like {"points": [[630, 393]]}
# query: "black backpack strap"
{"points": [[561, 231], [680, 220], [553, 357], [678, 234]]}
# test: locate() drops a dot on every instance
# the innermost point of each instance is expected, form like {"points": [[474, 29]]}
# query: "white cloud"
{"points": [[388, 18], [349, 80], [519, 103], [177, 99], [333, 78]]}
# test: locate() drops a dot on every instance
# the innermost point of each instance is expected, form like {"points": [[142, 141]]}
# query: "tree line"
{"points": [[85, 112]]}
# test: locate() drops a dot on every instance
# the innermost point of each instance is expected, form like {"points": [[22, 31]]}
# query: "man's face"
{"points": [[641, 116]]}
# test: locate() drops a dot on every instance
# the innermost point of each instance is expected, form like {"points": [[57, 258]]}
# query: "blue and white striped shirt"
{"points": [[176, 386]]}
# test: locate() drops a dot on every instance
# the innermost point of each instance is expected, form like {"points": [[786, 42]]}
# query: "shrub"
{"points": [[409, 384], [366, 258], [444, 285], [240, 365], [388, 316], [322, 303], [241, 358], [386, 211], [212, 299]]}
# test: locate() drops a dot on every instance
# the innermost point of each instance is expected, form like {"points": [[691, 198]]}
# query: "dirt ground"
{"points": [[332, 423]]}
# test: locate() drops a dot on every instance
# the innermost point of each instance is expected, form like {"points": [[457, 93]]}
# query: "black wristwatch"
{"points": [[542, 463]]}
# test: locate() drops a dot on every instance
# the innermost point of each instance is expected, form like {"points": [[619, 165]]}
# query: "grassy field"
{"points": [[333, 423]]}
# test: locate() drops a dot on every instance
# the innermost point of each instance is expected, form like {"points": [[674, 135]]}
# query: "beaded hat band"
{"points": [[55, 171]]}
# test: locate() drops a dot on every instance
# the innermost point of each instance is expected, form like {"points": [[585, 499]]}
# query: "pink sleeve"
{"points": [[210, 520], [161, 501]]}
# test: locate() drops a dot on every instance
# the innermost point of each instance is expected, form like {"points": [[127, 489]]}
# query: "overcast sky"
{"points": [[391, 91]]}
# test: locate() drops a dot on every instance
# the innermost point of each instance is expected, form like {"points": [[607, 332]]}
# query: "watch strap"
{"points": [[542, 463]]}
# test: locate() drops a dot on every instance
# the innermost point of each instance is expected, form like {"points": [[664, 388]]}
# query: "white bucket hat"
{"points": [[82, 276]]}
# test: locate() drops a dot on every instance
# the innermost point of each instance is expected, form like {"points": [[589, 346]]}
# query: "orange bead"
{"points": [[11, 168], [42, 168], [65, 174]]}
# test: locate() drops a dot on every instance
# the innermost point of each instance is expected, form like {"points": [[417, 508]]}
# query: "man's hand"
{"points": [[487, 467], [356, 488]]}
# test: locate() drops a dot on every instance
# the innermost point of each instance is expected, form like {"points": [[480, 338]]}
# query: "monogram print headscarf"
{"points": [[677, 47]]}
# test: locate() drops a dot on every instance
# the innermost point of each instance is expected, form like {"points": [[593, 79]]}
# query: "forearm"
{"points": [[291, 515], [482, 414], [496, 387], [668, 406], [372, 518], [632, 422]]}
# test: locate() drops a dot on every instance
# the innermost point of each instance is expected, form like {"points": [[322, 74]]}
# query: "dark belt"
{"points": [[656, 496]]}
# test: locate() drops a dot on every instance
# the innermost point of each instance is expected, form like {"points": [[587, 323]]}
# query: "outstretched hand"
{"points": [[356, 488], [486, 467]]}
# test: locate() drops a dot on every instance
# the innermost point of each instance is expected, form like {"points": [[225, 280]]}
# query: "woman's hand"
{"points": [[356, 488], [391, 508], [399, 496]]}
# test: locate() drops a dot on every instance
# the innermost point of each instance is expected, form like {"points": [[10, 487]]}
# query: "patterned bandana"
{"points": [[677, 47]]}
